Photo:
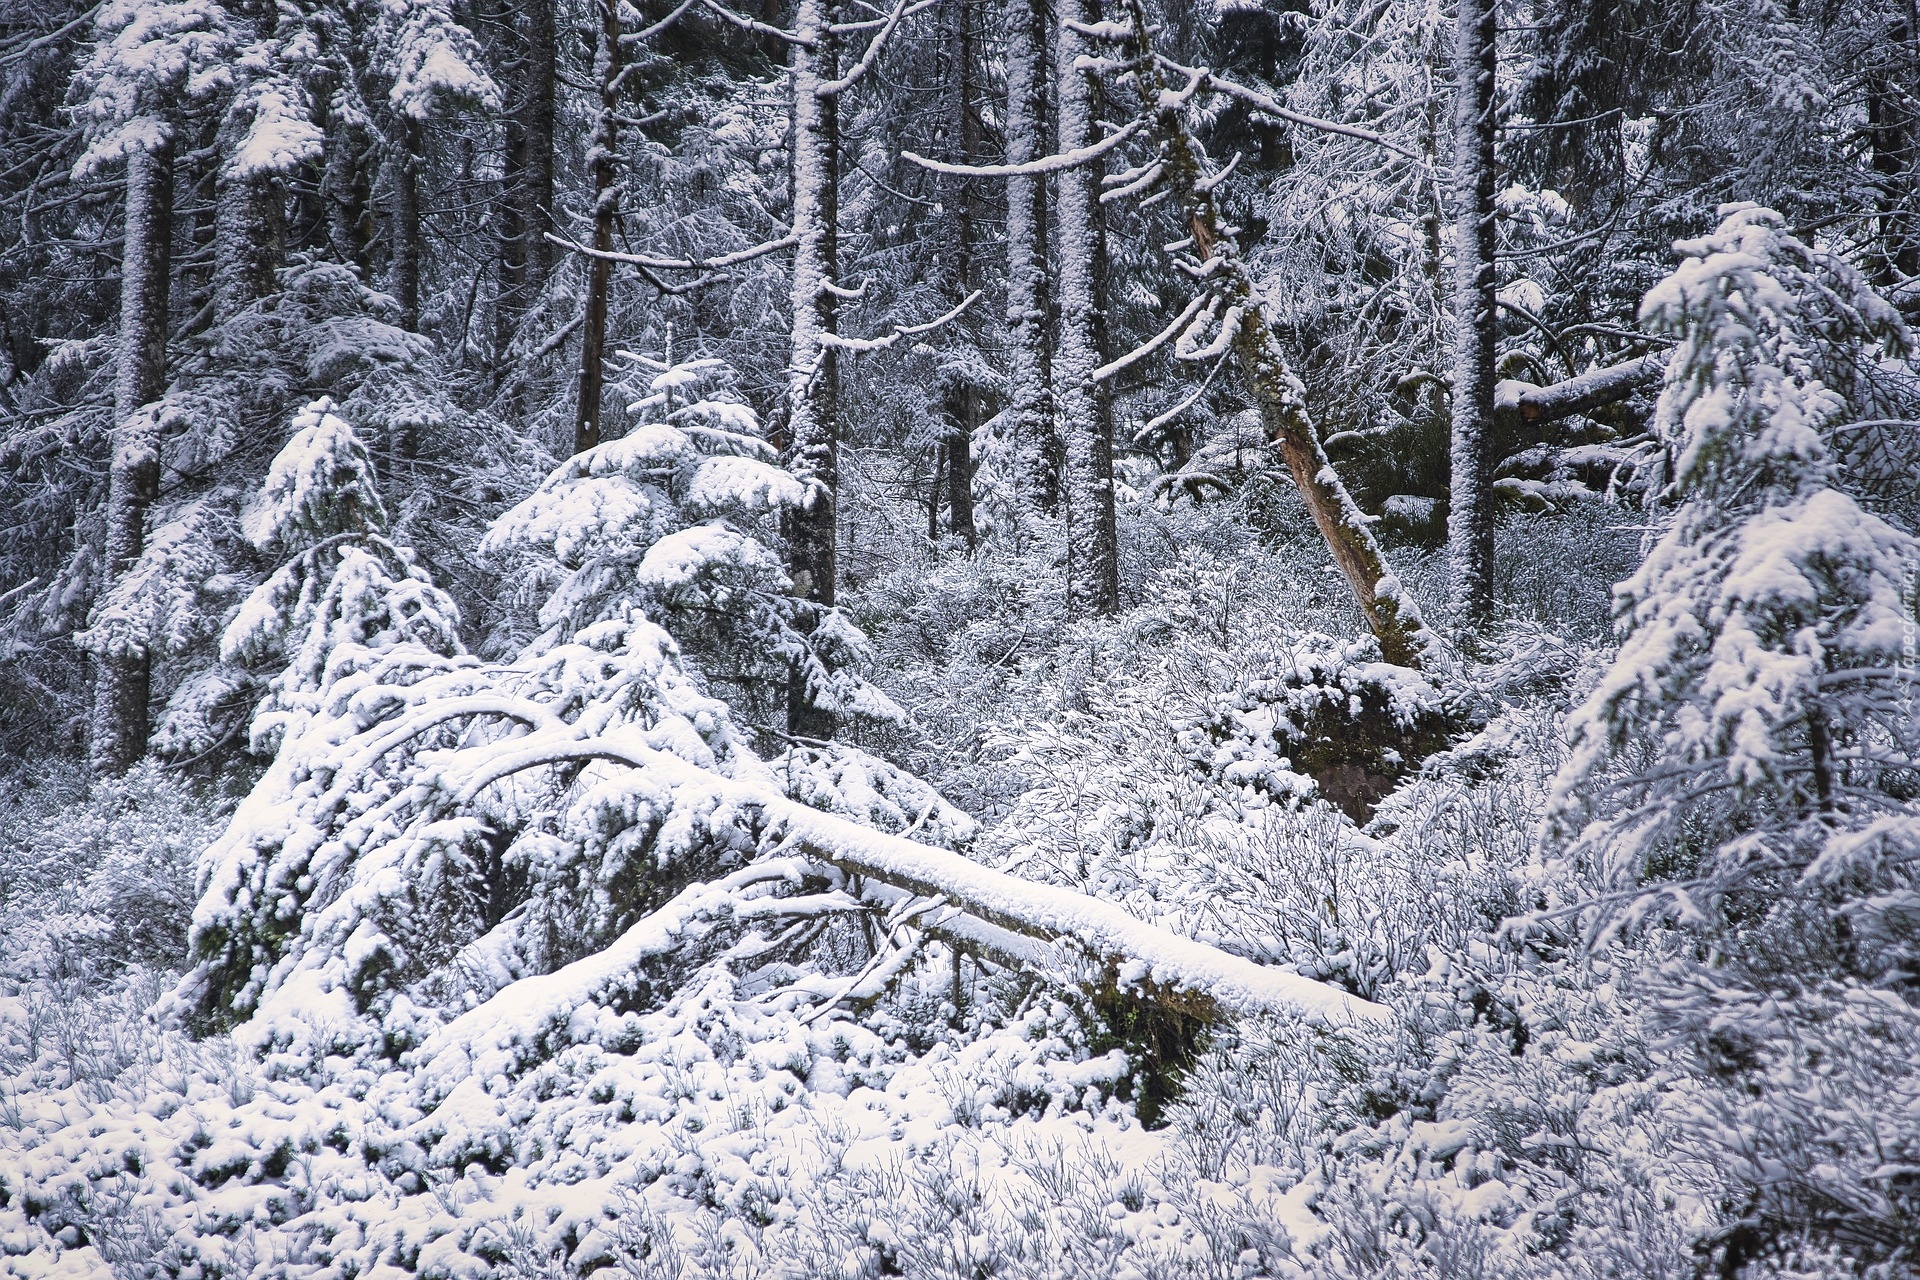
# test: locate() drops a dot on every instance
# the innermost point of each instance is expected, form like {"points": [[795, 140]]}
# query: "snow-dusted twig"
{"points": [[1159, 420], [891, 956], [1210, 81], [834, 88], [754, 25], [648, 33], [719, 262]]}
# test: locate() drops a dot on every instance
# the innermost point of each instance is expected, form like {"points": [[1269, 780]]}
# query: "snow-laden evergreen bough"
{"points": [[1746, 770]]}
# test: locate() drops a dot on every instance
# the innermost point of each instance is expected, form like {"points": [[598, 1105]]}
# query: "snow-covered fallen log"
{"points": [[1591, 390], [1161, 966]]}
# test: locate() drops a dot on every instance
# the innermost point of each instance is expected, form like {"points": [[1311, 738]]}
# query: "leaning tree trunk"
{"points": [[1093, 577], [133, 480], [963, 397], [1470, 514], [1390, 612], [603, 163], [813, 408]]}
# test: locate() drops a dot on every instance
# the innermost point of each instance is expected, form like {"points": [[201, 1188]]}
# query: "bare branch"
{"points": [[1261, 102]]}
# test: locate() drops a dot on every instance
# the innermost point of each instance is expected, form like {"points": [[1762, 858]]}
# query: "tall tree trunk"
{"points": [[343, 189], [526, 205], [1891, 134], [963, 400], [813, 409], [603, 162], [1093, 576], [1470, 515], [246, 237], [133, 479], [1036, 446], [1391, 614], [404, 174]]}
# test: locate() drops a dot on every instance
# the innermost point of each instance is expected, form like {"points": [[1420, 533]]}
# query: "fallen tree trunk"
{"points": [[1180, 973], [1014, 919], [1518, 403]]}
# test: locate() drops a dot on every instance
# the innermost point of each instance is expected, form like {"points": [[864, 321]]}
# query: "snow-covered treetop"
{"points": [[668, 508], [274, 102], [1749, 389], [149, 58], [321, 484], [347, 599], [433, 61]]}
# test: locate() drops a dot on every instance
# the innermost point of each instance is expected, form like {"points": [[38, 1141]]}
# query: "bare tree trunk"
{"points": [[526, 205], [1470, 515], [1390, 612], [1031, 411], [133, 480], [404, 174], [1891, 133], [933, 493], [602, 161], [813, 407], [963, 401], [1093, 580], [343, 189]]}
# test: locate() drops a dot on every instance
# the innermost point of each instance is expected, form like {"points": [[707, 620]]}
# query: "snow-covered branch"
{"points": [[1048, 164], [1210, 81], [904, 331], [833, 88], [1154, 343]]}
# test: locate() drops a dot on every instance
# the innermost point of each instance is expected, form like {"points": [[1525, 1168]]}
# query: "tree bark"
{"points": [[1093, 580], [1036, 446], [246, 238], [343, 190], [1390, 612], [124, 673], [603, 163], [404, 269], [526, 204], [813, 408], [1470, 513], [963, 400]]}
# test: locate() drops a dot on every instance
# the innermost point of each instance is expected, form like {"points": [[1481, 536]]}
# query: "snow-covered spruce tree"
{"points": [[675, 518], [1746, 772]]}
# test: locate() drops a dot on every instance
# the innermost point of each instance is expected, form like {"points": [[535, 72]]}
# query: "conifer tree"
{"points": [[1745, 772]]}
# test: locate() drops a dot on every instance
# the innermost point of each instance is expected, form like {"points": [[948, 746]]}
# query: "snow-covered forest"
{"points": [[1070, 639]]}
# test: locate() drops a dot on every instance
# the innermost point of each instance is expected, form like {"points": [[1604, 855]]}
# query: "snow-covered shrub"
{"points": [[94, 883]]}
